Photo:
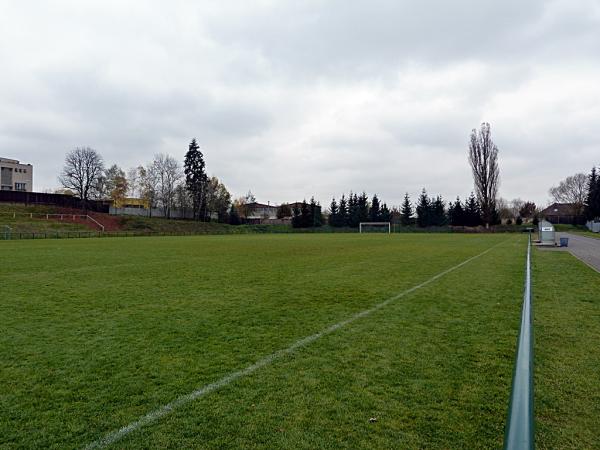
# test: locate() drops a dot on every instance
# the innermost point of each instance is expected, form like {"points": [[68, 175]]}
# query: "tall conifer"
{"points": [[406, 211]]}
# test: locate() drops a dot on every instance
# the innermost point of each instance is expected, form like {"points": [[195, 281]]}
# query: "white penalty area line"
{"points": [[164, 410]]}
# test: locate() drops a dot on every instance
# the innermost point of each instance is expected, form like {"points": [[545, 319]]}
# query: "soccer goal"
{"points": [[375, 227]]}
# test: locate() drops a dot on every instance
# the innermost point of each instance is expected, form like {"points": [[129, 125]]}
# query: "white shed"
{"points": [[546, 232]]}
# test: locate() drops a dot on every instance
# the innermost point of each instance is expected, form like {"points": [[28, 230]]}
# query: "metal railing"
{"points": [[520, 425], [61, 217]]}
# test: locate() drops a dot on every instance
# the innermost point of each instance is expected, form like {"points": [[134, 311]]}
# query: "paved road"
{"points": [[585, 248]]}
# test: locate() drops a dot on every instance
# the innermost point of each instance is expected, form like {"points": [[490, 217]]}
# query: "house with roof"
{"points": [[259, 212], [565, 213]]}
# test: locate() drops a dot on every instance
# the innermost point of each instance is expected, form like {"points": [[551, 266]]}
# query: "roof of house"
{"points": [[299, 204], [560, 209], [259, 205]]}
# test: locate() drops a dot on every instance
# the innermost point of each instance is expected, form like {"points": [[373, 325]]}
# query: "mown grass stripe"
{"points": [[164, 410]]}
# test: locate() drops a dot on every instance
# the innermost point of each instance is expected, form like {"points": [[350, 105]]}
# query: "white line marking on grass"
{"points": [[157, 414]]}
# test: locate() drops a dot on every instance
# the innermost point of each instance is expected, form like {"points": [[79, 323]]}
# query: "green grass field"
{"points": [[97, 333]]}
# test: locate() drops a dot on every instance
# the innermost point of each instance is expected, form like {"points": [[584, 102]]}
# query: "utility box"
{"points": [[546, 232]]}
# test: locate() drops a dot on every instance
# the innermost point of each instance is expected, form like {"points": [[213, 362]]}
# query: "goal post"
{"points": [[381, 227]]}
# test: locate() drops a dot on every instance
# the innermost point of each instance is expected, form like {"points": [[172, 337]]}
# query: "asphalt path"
{"points": [[585, 248]]}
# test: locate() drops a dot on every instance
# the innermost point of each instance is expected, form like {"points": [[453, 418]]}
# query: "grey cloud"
{"points": [[293, 99]]}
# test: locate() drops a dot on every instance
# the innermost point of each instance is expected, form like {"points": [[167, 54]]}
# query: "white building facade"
{"points": [[15, 176]]}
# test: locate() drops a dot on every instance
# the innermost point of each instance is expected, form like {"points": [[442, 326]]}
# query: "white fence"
{"points": [[593, 226], [62, 217]]}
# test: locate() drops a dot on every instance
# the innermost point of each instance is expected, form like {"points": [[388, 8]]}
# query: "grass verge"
{"points": [[567, 346]]}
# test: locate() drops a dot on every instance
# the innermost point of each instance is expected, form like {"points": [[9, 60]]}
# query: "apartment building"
{"points": [[15, 176]]}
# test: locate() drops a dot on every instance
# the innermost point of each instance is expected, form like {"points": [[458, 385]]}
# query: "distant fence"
{"points": [[14, 215], [8, 235], [154, 212], [40, 198], [519, 433], [593, 226]]}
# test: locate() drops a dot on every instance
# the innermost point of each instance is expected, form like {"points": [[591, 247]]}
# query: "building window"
{"points": [[19, 186]]}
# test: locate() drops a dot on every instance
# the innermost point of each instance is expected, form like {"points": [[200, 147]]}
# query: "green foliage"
{"points": [[385, 215], [592, 209], [196, 178], [333, 213], [342, 220], [527, 210], [456, 213], [406, 212], [234, 218], [375, 211], [423, 210], [353, 210], [438, 212], [284, 211], [472, 212], [363, 208], [308, 215]]}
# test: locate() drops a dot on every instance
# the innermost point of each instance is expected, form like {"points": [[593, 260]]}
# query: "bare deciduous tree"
{"points": [[168, 172], [483, 157], [133, 179], [183, 200], [572, 190], [515, 206], [81, 172], [148, 185]]}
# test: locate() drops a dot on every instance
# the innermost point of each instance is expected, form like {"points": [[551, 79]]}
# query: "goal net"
{"points": [[375, 227]]}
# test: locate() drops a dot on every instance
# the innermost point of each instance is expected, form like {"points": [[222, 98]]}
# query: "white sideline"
{"points": [[152, 416]]}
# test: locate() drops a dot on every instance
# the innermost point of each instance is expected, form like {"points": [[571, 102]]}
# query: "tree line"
{"points": [[582, 192], [161, 183], [165, 183], [356, 208], [425, 212]]}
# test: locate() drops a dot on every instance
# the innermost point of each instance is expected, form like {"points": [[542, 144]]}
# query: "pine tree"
{"points": [[385, 215], [374, 211], [406, 211], [353, 211], [457, 217], [450, 213], [234, 218], [343, 213], [305, 216], [472, 212], [423, 210], [592, 209], [315, 219], [363, 208], [438, 212], [333, 213], [296, 218], [195, 178]]}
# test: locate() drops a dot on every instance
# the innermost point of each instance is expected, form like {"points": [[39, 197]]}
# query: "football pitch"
{"points": [[290, 341]]}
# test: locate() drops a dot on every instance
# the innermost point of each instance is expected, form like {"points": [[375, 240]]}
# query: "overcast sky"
{"points": [[301, 98]]}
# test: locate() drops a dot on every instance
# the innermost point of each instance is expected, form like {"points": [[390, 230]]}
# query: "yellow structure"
{"points": [[129, 202]]}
